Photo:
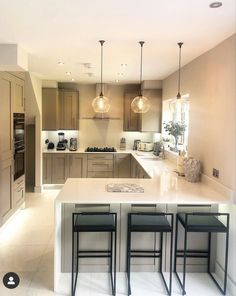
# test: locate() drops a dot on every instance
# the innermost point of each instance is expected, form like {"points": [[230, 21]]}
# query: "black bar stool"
{"points": [[149, 222], [200, 222], [93, 222]]}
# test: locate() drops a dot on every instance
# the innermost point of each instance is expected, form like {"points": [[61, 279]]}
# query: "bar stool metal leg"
{"points": [[209, 253], [176, 244], [184, 266], [128, 255], [114, 292], [72, 264]]}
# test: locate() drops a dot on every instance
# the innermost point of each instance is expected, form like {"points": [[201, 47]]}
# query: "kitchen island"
{"points": [[163, 191]]}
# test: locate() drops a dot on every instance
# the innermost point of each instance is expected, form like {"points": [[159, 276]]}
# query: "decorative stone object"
{"points": [[124, 187], [192, 169]]}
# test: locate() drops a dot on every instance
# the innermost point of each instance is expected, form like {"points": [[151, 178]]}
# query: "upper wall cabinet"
{"points": [[147, 122], [60, 109], [132, 121], [18, 98], [69, 110], [50, 109]]}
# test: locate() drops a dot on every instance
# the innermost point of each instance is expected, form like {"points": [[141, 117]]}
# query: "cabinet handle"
{"points": [[128, 124], [74, 123]]}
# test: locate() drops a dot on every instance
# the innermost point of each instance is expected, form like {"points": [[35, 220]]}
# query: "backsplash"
{"points": [[97, 133]]}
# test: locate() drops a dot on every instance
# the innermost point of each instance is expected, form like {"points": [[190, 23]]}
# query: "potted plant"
{"points": [[175, 129]]}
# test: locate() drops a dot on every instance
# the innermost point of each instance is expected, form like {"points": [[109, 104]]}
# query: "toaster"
{"points": [[145, 146]]}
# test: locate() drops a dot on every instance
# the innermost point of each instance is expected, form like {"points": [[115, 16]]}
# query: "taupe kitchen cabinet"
{"points": [[77, 165], [47, 168], [100, 165], [149, 121], [6, 119], [68, 110], [132, 121], [137, 171], [6, 192], [122, 165], [59, 168], [18, 97], [19, 191], [50, 109]]}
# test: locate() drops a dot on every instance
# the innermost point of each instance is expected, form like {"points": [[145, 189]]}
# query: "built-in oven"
{"points": [[19, 144]]}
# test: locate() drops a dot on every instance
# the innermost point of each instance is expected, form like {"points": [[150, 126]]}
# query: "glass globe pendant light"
{"points": [[140, 104], [178, 103], [101, 104]]}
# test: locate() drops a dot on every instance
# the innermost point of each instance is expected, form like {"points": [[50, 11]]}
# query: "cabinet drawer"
{"points": [[19, 194], [100, 156], [19, 182], [100, 165], [100, 174]]}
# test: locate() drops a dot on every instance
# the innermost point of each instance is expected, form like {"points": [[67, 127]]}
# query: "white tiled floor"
{"points": [[26, 247]]}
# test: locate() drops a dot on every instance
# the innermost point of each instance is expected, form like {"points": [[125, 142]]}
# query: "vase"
{"points": [[192, 169]]}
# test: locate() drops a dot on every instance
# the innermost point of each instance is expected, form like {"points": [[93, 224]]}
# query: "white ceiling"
{"points": [[69, 30]]}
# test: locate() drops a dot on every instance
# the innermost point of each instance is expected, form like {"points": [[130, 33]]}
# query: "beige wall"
{"points": [[210, 81]]}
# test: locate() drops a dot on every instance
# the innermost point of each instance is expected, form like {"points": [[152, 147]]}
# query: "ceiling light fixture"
{"points": [[101, 103], [140, 104], [68, 73], [124, 65], [216, 4], [120, 74], [60, 63], [117, 80], [72, 79]]}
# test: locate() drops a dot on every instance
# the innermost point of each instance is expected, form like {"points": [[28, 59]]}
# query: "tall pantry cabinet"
{"points": [[12, 100]]}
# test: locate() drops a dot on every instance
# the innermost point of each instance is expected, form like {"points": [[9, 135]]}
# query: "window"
{"points": [[177, 111]]}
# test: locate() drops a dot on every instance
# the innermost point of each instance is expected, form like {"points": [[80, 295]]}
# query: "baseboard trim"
{"points": [[227, 192], [38, 189]]}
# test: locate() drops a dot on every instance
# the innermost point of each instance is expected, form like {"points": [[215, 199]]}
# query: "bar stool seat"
{"points": [[207, 222], [93, 222], [201, 223], [150, 222]]}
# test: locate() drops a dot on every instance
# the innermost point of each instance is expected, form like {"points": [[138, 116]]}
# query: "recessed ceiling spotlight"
{"points": [[120, 74], [60, 63], [68, 73], [117, 80], [124, 65], [215, 4], [72, 79]]}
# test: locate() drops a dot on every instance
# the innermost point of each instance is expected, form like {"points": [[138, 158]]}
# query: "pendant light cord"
{"points": [[101, 42], [178, 94], [141, 66]]}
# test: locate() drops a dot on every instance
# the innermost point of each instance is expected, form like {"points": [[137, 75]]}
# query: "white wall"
{"points": [[210, 81]]}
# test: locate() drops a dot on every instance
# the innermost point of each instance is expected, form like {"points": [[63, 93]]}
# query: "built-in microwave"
{"points": [[19, 144]]}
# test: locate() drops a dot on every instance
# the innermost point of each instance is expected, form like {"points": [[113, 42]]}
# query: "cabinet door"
{"points": [[132, 121], [6, 140], [6, 181], [50, 112], [122, 166], [47, 168], [18, 96], [59, 168], [77, 166], [19, 191], [69, 110]]}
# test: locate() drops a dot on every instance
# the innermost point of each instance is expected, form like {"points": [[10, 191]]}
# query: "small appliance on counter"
{"points": [[135, 146], [73, 144], [50, 145], [62, 143], [122, 144], [159, 150], [145, 146]]}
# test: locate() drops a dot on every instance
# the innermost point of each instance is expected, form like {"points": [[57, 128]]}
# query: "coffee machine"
{"points": [[73, 144]]}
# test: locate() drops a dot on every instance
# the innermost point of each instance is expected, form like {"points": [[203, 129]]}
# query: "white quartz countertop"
{"points": [[164, 187]]}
